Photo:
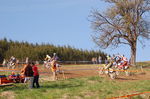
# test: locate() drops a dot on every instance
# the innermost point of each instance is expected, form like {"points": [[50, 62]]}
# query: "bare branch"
{"points": [[122, 23]]}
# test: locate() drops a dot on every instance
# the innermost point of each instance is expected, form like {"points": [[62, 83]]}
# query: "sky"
{"points": [[58, 22]]}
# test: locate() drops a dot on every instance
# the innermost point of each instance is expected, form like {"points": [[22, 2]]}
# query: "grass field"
{"points": [[81, 87], [77, 88]]}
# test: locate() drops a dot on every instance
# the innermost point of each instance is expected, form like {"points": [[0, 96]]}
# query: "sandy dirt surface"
{"points": [[75, 71], [92, 70]]}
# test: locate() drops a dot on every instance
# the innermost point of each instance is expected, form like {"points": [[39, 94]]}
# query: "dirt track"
{"points": [[91, 70]]}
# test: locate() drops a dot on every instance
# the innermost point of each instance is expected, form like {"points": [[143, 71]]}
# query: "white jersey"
{"points": [[124, 59]]}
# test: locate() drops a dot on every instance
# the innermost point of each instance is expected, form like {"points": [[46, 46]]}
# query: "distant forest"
{"points": [[21, 50]]}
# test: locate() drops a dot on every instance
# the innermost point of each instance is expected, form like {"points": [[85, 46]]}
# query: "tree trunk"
{"points": [[133, 54]]}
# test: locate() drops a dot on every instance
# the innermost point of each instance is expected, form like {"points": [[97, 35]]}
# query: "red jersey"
{"points": [[35, 70]]}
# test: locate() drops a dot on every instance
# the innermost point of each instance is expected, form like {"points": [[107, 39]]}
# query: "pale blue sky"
{"points": [[59, 22]]}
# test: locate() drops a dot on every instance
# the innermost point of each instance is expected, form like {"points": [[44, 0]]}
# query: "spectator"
{"points": [[27, 60], [100, 59], [29, 75], [93, 60], [4, 63], [36, 76]]}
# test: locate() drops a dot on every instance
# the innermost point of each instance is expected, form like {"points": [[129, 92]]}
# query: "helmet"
{"points": [[54, 54], [48, 56]]}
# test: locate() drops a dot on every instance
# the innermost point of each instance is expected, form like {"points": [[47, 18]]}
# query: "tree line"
{"points": [[37, 52]]}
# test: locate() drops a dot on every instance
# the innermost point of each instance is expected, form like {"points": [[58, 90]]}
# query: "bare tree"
{"points": [[123, 22]]}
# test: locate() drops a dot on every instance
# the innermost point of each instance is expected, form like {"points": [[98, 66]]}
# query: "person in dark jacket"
{"points": [[29, 75]]}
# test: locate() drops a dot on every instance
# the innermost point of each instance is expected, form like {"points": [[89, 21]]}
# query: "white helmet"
{"points": [[48, 56], [54, 54]]}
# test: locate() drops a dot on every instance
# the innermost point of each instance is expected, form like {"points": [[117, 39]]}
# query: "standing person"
{"points": [[28, 72], [27, 60], [36, 75], [4, 63], [93, 60], [22, 74], [100, 59]]}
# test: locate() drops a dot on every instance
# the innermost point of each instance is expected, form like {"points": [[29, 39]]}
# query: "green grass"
{"points": [[144, 64], [78, 88], [84, 88]]}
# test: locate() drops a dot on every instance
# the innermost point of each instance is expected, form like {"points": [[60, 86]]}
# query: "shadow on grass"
{"points": [[14, 87], [126, 79], [62, 86], [21, 87]]}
